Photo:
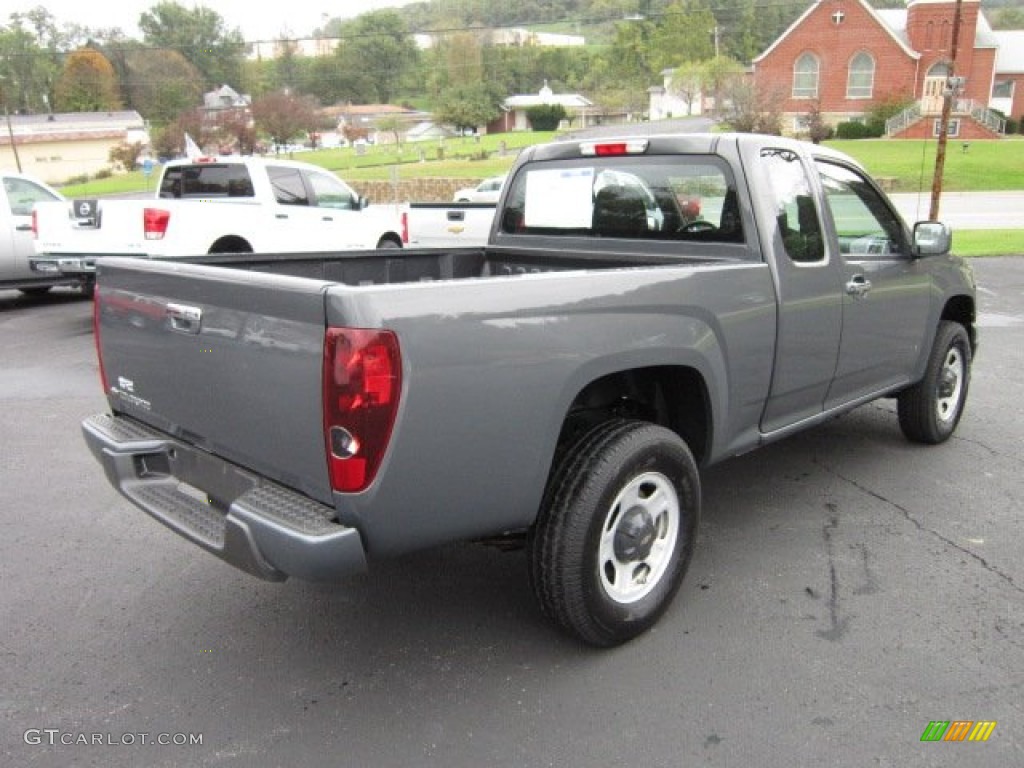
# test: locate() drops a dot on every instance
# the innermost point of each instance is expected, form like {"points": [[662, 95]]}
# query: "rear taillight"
{"points": [[96, 310], [35, 224], [362, 386], [405, 227], [154, 223]]}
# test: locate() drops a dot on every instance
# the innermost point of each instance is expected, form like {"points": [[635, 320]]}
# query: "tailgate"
{"points": [[227, 360], [91, 227]]}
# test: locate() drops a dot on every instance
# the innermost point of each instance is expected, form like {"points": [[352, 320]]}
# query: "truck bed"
{"points": [[426, 265]]}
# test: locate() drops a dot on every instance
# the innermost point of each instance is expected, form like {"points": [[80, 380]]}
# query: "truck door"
{"points": [[886, 293], [338, 210], [806, 273]]}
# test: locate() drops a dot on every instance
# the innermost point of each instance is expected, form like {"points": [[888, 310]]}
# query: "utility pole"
{"points": [[10, 131], [948, 96]]}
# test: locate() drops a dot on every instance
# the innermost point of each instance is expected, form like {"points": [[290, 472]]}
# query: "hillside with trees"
{"points": [[462, 77]]}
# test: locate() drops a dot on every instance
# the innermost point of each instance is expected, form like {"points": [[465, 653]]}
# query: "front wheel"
{"points": [[930, 410], [617, 531]]}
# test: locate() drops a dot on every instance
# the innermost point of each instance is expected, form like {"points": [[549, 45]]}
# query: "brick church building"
{"points": [[845, 56]]}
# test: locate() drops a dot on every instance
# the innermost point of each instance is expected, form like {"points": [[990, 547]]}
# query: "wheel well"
{"points": [[674, 397], [231, 244], [960, 309], [390, 237]]}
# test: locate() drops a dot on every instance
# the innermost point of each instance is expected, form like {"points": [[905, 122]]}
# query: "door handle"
{"points": [[858, 286], [184, 319], [280, 215], [327, 218], [24, 228]]}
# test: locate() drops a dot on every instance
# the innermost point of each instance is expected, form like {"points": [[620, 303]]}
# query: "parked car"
{"points": [[18, 195], [487, 191]]}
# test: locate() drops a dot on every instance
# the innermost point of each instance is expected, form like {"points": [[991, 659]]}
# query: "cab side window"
{"points": [[866, 226], [22, 195], [331, 192], [795, 210], [289, 189]]}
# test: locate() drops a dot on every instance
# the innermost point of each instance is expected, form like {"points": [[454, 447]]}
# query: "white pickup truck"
{"points": [[214, 205]]}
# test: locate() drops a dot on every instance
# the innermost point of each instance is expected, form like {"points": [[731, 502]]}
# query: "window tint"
{"points": [[213, 180], [288, 186], [670, 198], [22, 195], [865, 224], [795, 211]]}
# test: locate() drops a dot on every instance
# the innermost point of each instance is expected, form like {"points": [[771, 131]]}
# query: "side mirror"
{"points": [[362, 202], [932, 238]]}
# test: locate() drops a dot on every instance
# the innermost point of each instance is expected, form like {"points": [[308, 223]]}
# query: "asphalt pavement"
{"points": [[848, 589]]}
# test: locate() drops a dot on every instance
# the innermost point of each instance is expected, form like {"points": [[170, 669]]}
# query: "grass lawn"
{"points": [[997, 164], [988, 242], [985, 165]]}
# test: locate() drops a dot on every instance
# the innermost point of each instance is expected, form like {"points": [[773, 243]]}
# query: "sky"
{"points": [[257, 20]]}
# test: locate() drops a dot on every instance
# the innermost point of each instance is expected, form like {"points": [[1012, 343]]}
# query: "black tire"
{"points": [[604, 571], [930, 410], [388, 242]]}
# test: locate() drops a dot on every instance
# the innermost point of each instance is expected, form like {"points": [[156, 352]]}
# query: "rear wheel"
{"points": [[617, 531], [930, 410], [388, 242]]}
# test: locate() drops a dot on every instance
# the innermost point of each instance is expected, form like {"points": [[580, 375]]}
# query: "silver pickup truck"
{"points": [[306, 414]]}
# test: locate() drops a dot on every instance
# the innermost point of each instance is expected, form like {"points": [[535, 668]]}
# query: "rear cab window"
{"points": [[668, 198], [206, 180]]}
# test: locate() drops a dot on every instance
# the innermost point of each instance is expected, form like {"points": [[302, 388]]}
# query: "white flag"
{"points": [[192, 150]]}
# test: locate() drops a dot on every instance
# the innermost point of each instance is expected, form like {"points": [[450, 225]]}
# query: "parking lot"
{"points": [[848, 589]]}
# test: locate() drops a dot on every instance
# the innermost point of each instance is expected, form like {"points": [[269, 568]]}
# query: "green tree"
{"points": [[31, 53], [688, 82], [87, 83], [685, 33], [1008, 18], [161, 84], [198, 34], [719, 75], [377, 48], [740, 40], [468, 106], [631, 65]]}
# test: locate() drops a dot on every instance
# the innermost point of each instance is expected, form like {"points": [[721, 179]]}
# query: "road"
{"points": [[965, 210], [848, 588]]}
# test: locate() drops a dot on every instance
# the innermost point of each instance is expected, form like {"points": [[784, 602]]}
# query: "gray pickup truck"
{"points": [[307, 414]]}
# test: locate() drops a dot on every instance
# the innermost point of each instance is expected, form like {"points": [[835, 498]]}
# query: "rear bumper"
{"points": [[260, 527], [68, 265]]}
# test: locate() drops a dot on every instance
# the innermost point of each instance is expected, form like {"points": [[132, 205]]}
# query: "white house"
{"points": [[671, 99], [515, 109]]}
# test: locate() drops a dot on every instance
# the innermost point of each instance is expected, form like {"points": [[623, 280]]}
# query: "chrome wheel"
{"points": [[638, 538]]}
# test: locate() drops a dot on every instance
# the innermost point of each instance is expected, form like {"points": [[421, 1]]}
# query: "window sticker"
{"points": [[560, 198]]}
